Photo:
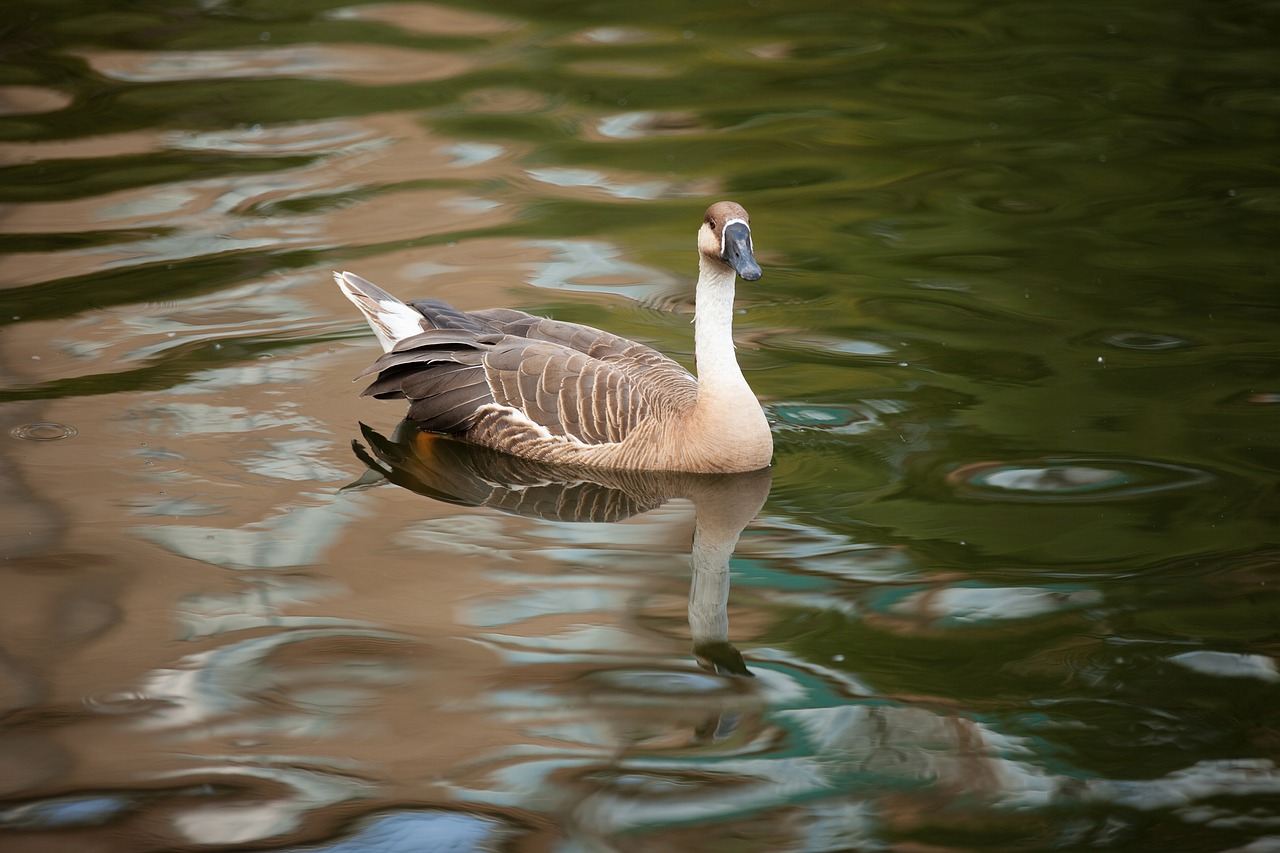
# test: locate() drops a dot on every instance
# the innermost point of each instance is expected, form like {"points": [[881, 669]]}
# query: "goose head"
{"points": [[724, 240]]}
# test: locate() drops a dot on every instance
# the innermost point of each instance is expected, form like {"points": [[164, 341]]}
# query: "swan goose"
{"points": [[569, 394]]}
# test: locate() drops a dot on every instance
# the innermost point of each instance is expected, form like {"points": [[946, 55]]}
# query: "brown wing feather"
{"points": [[571, 380], [546, 381], [661, 377]]}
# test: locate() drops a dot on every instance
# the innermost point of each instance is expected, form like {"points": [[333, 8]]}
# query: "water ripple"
{"points": [[644, 124], [1062, 479], [649, 684], [44, 431], [952, 202], [363, 64], [433, 19], [850, 419], [1149, 341]]}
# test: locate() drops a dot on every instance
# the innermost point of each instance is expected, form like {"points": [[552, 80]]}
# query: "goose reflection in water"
{"points": [[457, 472]]}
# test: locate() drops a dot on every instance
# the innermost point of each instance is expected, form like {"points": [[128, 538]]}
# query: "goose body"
{"points": [[569, 394]]}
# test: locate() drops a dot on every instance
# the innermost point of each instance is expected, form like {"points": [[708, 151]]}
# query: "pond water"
{"points": [[1011, 583]]}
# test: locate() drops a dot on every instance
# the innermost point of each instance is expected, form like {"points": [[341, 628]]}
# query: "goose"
{"points": [[568, 394]]}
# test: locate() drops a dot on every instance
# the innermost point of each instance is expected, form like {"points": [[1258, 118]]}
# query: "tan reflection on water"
{"points": [[280, 650], [362, 64], [217, 633], [208, 216], [215, 630], [30, 100]]}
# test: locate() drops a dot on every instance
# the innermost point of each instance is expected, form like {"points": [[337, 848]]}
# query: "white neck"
{"points": [[718, 371], [709, 587], [727, 427]]}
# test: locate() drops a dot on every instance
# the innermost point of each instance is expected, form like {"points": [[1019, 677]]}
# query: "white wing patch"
{"points": [[391, 320]]}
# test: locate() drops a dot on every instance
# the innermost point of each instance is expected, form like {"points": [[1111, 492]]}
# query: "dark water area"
{"points": [[1010, 585]]}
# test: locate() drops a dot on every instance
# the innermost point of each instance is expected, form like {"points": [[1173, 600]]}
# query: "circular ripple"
{"points": [[819, 416], [1079, 479], [43, 431], [1146, 341], [659, 682]]}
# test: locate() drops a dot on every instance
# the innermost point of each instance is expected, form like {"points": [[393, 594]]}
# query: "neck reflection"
{"points": [[456, 472]]}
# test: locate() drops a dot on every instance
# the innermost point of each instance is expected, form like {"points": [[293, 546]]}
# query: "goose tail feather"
{"points": [[391, 320]]}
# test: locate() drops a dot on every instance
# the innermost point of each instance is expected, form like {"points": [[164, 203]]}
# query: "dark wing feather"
{"points": [[442, 315], [451, 411]]}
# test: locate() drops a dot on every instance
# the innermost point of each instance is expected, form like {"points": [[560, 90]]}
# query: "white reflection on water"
{"points": [[562, 177], [174, 507], [484, 535], [319, 137], [581, 264], [1229, 665], [435, 19], [270, 309], [206, 419], [841, 825], [265, 372], [1186, 791], [264, 604], [295, 536], [473, 153], [636, 125], [529, 604], [862, 751], [299, 459], [579, 644], [254, 820], [364, 64], [1066, 479], [979, 605], [810, 548], [224, 687], [402, 832], [65, 812]]}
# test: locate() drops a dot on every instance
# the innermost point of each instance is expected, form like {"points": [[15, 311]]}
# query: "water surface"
{"points": [[1013, 586]]}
